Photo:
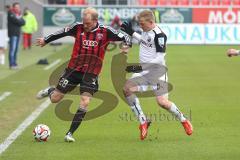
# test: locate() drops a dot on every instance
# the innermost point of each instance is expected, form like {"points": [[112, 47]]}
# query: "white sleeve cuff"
{"points": [[137, 36]]}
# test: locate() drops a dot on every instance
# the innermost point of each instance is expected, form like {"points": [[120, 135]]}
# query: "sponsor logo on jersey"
{"points": [[146, 44], [149, 39], [89, 43]]}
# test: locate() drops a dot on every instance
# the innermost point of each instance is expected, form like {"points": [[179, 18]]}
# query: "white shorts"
{"points": [[158, 84]]}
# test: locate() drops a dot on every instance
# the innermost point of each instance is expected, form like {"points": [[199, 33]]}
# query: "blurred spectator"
{"points": [[15, 21], [116, 23], [3, 46], [29, 28], [157, 15], [106, 17], [3, 40]]}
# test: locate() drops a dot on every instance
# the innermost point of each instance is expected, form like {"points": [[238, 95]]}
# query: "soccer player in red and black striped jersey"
{"points": [[91, 41]]}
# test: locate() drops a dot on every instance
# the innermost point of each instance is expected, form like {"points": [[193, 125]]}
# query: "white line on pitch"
{"points": [[18, 82], [52, 64], [17, 132], [5, 95]]}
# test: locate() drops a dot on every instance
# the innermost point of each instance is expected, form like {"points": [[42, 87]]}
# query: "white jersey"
{"points": [[152, 50], [152, 46]]}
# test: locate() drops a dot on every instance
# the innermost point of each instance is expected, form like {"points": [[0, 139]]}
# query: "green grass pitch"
{"points": [[206, 85]]}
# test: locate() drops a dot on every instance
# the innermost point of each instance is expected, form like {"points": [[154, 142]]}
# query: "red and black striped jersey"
{"points": [[89, 47]]}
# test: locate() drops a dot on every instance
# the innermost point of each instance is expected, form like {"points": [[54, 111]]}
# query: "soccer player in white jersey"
{"points": [[152, 52]]}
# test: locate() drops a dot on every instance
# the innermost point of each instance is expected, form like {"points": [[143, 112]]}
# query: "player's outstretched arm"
{"points": [[137, 36], [118, 35], [40, 42], [233, 52], [67, 31], [127, 27]]}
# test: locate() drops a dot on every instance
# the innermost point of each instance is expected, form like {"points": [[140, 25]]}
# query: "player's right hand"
{"points": [[40, 42], [232, 52]]}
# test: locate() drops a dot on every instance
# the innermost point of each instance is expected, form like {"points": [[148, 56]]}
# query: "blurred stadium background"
{"points": [[205, 80], [192, 16], [53, 14]]}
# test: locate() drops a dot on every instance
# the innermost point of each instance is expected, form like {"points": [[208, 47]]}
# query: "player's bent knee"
{"points": [[126, 91], [85, 100], [129, 89], [55, 100], [55, 97]]}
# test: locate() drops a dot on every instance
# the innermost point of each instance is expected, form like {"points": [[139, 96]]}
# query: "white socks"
{"points": [[134, 103], [176, 112], [2, 59]]}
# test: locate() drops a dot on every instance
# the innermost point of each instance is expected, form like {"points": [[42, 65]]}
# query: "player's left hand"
{"points": [[232, 52], [127, 27]]}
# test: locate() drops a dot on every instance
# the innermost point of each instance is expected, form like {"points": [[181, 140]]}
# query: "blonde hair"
{"points": [[91, 12], [147, 15]]}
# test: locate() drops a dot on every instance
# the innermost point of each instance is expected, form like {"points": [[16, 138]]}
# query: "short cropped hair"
{"points": [[15, 3], [92, 12], [147, 15]]}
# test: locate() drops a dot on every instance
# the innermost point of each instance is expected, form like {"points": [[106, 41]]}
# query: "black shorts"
{"points": [[71, 78]]}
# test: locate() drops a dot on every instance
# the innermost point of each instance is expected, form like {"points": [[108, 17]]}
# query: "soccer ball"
{"points": [[41, 132]]}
